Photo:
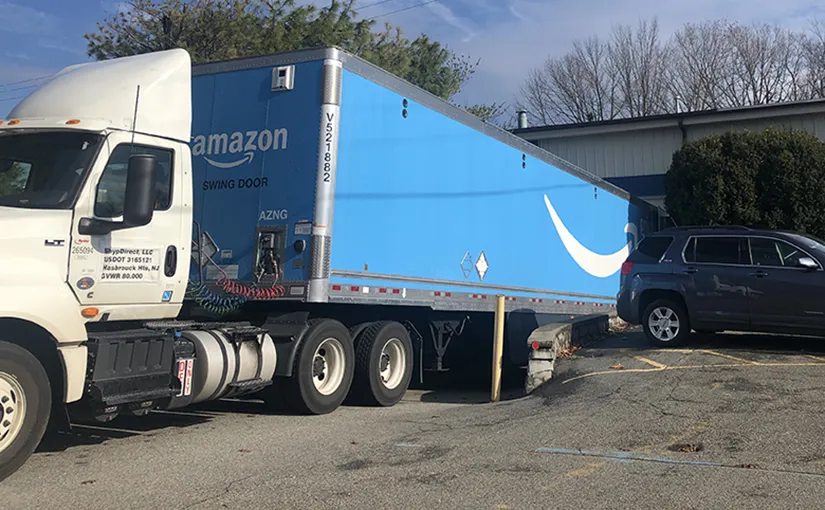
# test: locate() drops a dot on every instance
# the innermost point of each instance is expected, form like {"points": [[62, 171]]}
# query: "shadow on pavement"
{"points": [[469, 385], [88, 433], [757, 342]]}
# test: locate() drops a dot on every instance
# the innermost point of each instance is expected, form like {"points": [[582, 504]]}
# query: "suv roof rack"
{"points": [[706, 227]]}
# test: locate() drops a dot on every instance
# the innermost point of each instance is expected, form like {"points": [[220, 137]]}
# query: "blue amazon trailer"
{"points": [[349, 228], [327, 188]]}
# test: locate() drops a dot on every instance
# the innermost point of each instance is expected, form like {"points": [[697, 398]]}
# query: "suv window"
{"points": [[651, 249], [111, 190], [773, 252], [716, 250]]}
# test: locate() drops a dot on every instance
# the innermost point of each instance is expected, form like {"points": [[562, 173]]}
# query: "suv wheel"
{"points": [[666, 323]]}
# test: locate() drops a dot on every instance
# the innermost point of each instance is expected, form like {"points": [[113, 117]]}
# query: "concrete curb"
{"points": [[548, 341]]}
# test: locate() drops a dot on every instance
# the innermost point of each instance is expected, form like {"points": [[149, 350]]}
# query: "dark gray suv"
{"points": [[710, 279]]}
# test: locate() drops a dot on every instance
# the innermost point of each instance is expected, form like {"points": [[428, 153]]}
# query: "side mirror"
{"points": [[808, 263], [139, 204]]}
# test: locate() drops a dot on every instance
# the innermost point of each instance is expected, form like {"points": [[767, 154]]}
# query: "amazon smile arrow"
{"points": [[595, 264]]}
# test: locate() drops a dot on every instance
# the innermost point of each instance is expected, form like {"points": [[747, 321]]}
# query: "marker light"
{"points": [[89, 313], [14, 122], [72, 122]]}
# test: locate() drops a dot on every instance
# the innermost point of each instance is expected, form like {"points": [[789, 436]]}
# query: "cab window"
{"points": [[111, 190]]}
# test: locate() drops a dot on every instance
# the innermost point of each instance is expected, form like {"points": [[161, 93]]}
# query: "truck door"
{"points": [[133, 266]]}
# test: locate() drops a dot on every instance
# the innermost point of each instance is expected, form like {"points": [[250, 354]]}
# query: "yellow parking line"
{"points": [[815, 357], [650, 361], [684, 367], [605, 372], [721, 355]]}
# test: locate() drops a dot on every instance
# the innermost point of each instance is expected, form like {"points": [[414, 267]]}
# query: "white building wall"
{"points": [[639, 153], [619, 154]]}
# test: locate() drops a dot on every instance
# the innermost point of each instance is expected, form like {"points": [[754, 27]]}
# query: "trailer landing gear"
{"points": [[443, 332]]}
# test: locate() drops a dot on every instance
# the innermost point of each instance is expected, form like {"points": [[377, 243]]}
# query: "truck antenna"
{"points": [[134, 117]]}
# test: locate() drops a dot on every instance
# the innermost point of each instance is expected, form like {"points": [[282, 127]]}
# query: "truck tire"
{"points": [[383, 364], [321, 374], [25, 406], [676, 327]]}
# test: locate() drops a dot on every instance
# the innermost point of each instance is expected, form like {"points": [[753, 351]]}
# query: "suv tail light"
{"points": [[627, 268]]}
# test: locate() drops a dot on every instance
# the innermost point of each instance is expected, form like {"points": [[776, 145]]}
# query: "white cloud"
{"points": [[516, 13], [447, 16], [72, 50], [526, 32], [32, 27], [13, 73], [19, 55], [23, 20]]}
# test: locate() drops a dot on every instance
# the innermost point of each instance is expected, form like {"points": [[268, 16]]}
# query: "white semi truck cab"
{"points": [[95, 225]]}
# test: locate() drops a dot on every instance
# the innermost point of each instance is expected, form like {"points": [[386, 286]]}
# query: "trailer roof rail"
{"points": [[705, 227]]}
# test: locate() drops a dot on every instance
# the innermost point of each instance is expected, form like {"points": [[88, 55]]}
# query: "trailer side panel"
{"points": [[420, 194]]}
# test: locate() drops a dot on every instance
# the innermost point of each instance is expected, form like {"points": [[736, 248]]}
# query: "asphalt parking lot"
{"points": [[730, 421]]}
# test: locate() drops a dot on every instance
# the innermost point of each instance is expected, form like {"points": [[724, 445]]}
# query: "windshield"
{"points": [[44, 170]]}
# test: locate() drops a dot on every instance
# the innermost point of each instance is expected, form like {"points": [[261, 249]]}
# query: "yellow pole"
{"points": [[498, 348]]}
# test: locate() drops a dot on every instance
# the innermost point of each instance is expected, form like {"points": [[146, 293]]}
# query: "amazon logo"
{"points": [[230, 150], [595, 264]]}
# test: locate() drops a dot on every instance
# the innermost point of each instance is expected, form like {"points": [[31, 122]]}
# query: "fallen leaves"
{"points": [[617, 366], [617, 325], [568, 352]]}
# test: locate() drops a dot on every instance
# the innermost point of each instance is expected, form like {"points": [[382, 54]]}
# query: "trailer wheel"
{"points": [[322, 373], [25, 406], [383, 364]]}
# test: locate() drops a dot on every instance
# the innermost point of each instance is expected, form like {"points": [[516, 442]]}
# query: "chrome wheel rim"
{"points": [[664, 324], [392, 363], [12, 409], [328, 366]]}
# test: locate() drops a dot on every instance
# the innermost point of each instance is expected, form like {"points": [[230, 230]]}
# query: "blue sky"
{"points": [[509, 36]]}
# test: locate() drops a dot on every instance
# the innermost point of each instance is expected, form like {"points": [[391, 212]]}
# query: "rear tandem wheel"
{"points": [[384, 361]]}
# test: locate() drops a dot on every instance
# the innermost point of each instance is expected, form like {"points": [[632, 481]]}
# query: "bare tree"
{"points": [[577, 87], [699, 57], [760, 65], [535, 99], [713, 64], [639, 61], [813, 50], [594, 58]]}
